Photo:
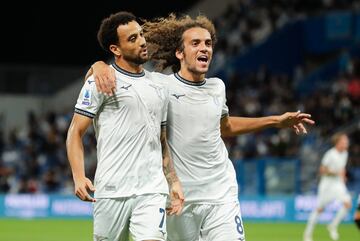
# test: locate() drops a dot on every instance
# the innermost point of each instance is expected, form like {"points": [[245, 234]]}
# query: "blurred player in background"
{"points": [[197, 118], [357, 213], [133, 156], [332, 186]]}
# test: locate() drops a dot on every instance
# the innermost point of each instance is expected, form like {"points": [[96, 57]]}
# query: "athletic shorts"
{"points": [[331, 191], [143, 217], [207, 222]]}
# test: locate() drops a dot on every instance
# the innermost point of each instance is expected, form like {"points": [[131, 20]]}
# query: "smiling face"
{"points": [[195, 57], [132, 45]]}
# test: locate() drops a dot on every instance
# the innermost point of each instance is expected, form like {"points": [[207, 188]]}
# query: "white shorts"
{"points": [[144, 217], [331, 191], [207, 222]]}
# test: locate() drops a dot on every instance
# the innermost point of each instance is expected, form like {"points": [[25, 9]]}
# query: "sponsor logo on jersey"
{"points": [[126, 87], [178, 96]]}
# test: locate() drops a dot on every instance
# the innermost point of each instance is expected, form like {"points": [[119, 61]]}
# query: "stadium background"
{"points": [[273, 55]]}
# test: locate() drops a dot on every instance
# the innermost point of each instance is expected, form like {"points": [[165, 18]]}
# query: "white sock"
{"points": [[311, 223], [340, 215]]}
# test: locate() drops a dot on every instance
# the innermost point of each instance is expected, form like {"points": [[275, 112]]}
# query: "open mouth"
{"points": [[203, 59]]}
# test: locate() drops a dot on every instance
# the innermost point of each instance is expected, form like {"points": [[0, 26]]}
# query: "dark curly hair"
{"points": [[107, 34], [164, 36]]}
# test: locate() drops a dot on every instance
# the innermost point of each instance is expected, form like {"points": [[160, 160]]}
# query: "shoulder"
{"points": [[159, 79], [90, 83], [215, 81]]}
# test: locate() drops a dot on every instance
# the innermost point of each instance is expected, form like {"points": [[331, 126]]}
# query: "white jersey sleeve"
{"points": [[225, 108], [165, 107], [326, 160], [89, 100]]}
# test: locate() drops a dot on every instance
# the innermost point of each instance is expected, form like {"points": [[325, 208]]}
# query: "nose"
{"points": [[204, 47], [142, 41]]}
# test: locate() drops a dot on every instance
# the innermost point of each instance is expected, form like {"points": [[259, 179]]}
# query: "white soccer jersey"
{"points": [[199, 154], [336, 162], [127, 127], [333, 187]]}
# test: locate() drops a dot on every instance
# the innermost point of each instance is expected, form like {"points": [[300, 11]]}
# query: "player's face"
{"points": [[132, 43], [343, 143], [197, 53]]}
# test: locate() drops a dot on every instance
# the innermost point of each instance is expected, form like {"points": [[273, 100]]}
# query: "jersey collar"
{"points": [[127, 72], [188, 82]]}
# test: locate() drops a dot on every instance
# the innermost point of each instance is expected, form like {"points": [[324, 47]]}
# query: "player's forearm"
{"points": [[100, 64], [75, 152], [168, 165], [325, 171], [242, 125]]}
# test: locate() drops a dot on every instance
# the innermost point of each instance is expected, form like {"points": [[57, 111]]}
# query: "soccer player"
{"points": [[357, 213], [197, 118], [130, 186], [332, 186]]}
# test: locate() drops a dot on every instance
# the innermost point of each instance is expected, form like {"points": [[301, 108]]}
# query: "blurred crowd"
{"points": [[33, 158], [249, 22], [333, 107]]}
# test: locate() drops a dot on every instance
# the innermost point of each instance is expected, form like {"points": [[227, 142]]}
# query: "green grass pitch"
{"points": [[81, 230]]}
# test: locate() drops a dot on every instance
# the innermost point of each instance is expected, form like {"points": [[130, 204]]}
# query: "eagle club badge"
{"points": [[86, 97]]}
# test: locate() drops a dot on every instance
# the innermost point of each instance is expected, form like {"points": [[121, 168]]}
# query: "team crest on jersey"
{"points": [[159, 91], [86, 97]]}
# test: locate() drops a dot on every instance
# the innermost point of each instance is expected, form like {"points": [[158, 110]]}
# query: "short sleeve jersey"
{"points": [[127, 127]]}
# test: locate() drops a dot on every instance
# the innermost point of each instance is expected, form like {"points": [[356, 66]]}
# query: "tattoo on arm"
{"points": [[168, 165]]}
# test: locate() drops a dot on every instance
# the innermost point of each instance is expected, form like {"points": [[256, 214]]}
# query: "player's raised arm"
{"points": [[175, 188], [231, 125], [75, 152]]}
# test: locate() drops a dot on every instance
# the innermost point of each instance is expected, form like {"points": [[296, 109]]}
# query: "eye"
{"points": [[133, 39]]}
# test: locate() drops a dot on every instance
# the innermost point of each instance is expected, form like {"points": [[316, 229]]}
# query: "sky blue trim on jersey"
{"points": [[188, 82], [84, 113], [127, 72]]}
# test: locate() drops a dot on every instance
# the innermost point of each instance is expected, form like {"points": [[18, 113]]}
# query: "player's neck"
{"points": [[129, 67], [191, 76]]}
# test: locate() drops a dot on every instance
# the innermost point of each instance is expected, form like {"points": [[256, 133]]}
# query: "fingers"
{"points": [[297, 131], [176, 206], [174, 209], [90, 185], [105, 85], [308, 121], [302, 128], [84, 195]]}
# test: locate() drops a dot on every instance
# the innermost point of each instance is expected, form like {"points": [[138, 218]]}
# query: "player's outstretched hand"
{"points": [[296, 121], [176, 199], [81, 189], [104, 77]]}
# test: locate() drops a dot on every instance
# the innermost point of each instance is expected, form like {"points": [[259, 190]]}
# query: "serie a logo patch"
{"points": [[86, 97]]}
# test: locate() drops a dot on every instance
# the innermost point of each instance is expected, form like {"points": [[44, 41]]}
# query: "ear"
{"points": [[179, 54], [115, 50]]}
